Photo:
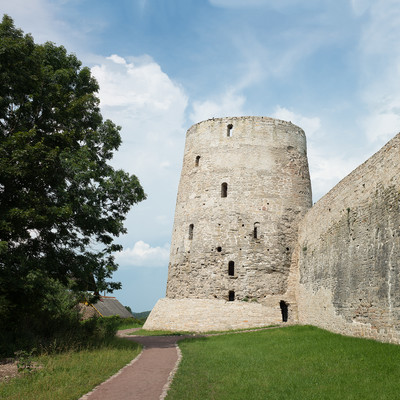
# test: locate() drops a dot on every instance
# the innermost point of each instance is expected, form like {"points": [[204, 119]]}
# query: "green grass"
{"points": [[257, 328], [128, 323], [69, 375], [288, 363], [144, 332]]}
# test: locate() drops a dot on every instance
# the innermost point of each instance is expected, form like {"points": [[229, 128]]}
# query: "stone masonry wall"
{"points": [[202, 315], [263, 163], [349, 252]]}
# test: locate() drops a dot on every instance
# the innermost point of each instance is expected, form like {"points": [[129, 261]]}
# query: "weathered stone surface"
{"points": [[349, 252], [337, 266], [263, 163], [202, 315], [237, 243]]}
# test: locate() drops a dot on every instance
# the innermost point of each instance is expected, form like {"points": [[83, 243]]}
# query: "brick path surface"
{"points": [[148, 376], [145, 378]]}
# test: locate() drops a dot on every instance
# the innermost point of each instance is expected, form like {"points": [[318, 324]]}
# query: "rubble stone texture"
{"points": [[244, 186], [349, 252], [336, 265]]}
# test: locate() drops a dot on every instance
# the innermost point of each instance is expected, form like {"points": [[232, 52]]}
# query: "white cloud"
{"points": [[21, 12], [382, 30], [380, 127], [44, 19], [309, 125], [229, 104], [143, 255], [136, 94], [138, 85], [327, 170], [117, 59], [380, 69]]}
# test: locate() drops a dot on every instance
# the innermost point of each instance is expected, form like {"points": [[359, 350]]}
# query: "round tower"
{"points": [[244, 186]]}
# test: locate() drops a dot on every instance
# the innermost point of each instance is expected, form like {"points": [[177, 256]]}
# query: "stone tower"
{"points": [[244, 187]]}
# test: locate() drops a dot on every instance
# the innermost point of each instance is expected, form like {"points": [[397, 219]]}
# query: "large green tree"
{"points": [[61, 202]]}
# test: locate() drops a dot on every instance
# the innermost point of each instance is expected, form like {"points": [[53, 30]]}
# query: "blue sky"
{"points": [[332, 67]]}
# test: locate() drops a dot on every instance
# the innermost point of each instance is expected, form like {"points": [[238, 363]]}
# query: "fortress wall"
{"points": [[349, 252], [202, 315]]}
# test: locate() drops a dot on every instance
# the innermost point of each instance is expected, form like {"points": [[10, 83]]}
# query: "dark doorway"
{"points": [[231, 295], [284, 310]]}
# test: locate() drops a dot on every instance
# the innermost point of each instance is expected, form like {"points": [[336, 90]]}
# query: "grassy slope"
{"points": [[289, 363], [72, 374]]}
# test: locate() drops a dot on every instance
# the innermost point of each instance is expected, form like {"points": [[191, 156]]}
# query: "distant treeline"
{"points": [[141, 315]]}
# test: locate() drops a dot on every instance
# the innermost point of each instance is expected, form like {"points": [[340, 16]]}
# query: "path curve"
{"points": [[147, 377]]}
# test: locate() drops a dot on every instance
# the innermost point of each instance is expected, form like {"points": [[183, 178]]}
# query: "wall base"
{"points": [[202, 315]]}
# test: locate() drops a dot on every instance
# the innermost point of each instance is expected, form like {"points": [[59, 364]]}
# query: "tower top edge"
{"points": [[244, 118]]}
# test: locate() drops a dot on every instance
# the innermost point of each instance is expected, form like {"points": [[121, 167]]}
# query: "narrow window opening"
{"points": [[231, 268], [256, 232], [229, 129], [224, 190], [191, 226], [231, 295], [284, 310], [197, 161]]}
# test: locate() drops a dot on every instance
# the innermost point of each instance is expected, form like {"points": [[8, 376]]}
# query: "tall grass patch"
{"points": [[67, 364], [127, 323], [69, 375], [288, 363]]}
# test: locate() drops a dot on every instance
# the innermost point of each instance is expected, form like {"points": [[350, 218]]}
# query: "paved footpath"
{"points": [[148, 376]]}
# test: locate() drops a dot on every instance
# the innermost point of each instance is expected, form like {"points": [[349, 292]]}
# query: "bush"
{"points": [[98, 330], [50, 321], [45, 310]]}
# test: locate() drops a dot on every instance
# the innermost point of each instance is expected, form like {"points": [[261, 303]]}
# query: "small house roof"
{"points": [[108, 306]]}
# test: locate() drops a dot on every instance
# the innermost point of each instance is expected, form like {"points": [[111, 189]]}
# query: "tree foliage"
{"points": [[61, 202]]}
